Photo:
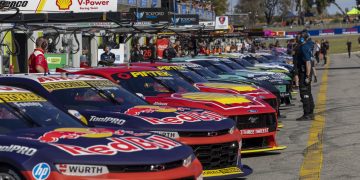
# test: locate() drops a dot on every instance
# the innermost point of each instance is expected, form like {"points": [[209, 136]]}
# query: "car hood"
{"points": [[224, 104], [99, 146], [160, 118]]}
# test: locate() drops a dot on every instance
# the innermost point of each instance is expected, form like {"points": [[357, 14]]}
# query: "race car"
{"points": [[284, 86], [38, 141], [105, 104], [255, 119], [205, 86]]}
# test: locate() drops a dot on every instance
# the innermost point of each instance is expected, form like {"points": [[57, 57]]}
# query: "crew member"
{"points": [[348, 44], [37, 61], [107, 58], [304, 67]]}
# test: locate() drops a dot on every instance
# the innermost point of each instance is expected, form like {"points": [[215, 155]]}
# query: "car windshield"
{"points": [[204, 72], [31, 114], [243, 62], [97, 95], [189, 76], [216, 67], [231, 64], [153, 85]]}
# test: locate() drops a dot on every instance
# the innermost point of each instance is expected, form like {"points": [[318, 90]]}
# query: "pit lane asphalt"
{"points": [[341, 142]]}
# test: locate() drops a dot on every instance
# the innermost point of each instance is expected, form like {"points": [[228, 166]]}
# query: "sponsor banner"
{"points": [[326, 32], [350, 31], [44, 6], [161, 45], [55, 60], [207, 23], [222, 172], [222, 22], [81, 170], [68, 78], [153, 15], [20, 97], [185, 19]]}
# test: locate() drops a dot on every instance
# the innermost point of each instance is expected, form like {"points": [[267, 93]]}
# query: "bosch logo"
{"points": [[17, 4]]}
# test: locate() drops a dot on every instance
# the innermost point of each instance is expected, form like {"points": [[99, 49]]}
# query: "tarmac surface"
{"points": [[336, 149]]}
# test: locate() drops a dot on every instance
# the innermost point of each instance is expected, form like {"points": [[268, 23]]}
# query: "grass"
{"points": [[337, 43]]}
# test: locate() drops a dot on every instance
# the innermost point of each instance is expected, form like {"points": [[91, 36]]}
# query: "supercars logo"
{"points": [[137, 110], [240, 88], [64, 4], [220, 98]]}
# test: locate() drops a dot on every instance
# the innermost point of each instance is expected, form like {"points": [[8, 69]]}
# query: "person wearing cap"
{"points": [[37, 61], [305, 72]]}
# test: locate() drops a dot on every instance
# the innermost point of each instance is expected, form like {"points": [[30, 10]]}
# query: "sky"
{"points": [[332, 9]]}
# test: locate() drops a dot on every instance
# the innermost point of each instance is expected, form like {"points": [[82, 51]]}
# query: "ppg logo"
{"points": [[41, 171]]}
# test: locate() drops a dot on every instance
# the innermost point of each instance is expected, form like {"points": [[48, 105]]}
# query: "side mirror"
{"points": [[77, 115]]}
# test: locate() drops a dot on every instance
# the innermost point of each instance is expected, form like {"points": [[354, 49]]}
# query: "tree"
{"points": [[220, 6], [270, 9], [252, 8]]}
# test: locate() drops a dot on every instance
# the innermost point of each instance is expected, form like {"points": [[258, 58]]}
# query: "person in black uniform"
{"points": [[107, 58], [304, 67]]}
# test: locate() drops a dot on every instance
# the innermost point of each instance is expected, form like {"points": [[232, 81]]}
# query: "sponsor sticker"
{"points": [[81, 170], [20, 97], [111, 120], [121, 144], [254, 131], [172, 135], [137, 110], [222, 172], [150, 73], [65, 85], [24, 150], [168, 68], [41, 171]]}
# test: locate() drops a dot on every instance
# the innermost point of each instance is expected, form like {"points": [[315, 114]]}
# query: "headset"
{"points": [[304, 35]]}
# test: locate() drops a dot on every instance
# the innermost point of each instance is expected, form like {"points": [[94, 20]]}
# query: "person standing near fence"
{"points": [[323, 49], [317, 51], [348, 44]]}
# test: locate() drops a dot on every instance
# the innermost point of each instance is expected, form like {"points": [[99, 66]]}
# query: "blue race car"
{"points": [[38, 141]]}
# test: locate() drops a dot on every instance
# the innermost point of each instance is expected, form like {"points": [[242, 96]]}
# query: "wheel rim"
{"points": [[6, 176]]}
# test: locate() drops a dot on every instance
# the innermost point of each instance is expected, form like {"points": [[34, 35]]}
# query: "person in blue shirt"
{"points": [[305, 73], [107, 58]]}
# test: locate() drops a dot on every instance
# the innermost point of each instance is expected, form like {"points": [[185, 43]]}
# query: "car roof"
{"points": [[112, 70], [58, 77], [11, 89]]}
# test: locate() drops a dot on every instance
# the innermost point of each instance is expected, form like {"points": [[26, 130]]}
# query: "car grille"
{"points": [[144, 168], [255, 121], [255, 143], [216, 156], [204, 134], [272, 102]]}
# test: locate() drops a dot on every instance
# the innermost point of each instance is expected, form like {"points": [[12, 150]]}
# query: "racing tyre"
{"points": [[8, 173]]}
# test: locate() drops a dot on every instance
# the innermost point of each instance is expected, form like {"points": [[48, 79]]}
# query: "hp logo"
{"points": [[41, 171]]}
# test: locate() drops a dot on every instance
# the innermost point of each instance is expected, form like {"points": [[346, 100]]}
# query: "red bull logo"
{"points": [[137, 110], [75, 133]]}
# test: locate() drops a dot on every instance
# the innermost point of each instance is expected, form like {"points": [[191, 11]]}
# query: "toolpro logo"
{"points": [[63, 4]]}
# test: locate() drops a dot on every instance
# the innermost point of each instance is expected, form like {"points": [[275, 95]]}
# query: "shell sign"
{"points": [[76, 6], [64, 4]]}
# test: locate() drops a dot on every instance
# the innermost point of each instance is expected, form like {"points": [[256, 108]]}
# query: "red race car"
{"points": [[255, 119]]}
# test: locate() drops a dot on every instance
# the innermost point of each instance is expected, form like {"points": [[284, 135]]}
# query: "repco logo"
{"points": [[8, 4], [64, 4]]}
